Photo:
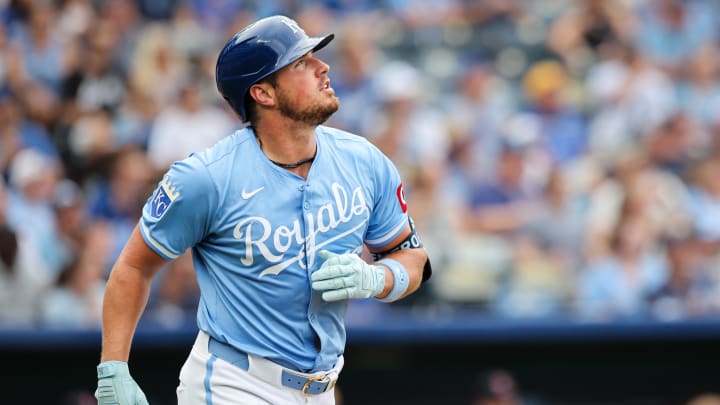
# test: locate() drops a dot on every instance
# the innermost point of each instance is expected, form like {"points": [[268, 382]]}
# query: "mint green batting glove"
{"points": [[116, 387], [347, 276]]}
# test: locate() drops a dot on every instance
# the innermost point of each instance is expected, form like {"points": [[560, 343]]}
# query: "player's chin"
{"points": [[329, 107], [321, 119]]}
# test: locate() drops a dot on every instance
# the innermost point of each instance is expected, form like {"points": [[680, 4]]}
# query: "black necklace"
{"points": [[288, 165], [294, 165]]}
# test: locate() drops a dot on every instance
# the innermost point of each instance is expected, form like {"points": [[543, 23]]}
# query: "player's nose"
{"points": [[323, 68]]}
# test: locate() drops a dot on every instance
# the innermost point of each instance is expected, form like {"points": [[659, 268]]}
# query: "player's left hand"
{"points": [[347, 276]]}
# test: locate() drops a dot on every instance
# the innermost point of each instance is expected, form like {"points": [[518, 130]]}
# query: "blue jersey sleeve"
{"points": [[177, 215], [389, 207]]}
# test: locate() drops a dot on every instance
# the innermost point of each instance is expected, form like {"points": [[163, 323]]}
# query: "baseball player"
{"points": [[277, 215]]}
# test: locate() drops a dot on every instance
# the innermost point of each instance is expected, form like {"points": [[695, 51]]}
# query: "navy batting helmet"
{"points": [[257, 51]]}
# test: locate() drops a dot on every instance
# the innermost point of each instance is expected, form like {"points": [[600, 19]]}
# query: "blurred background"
{"points": [[561, 159]]}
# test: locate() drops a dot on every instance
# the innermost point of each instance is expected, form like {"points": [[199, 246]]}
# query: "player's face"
{"points": [[304, 93]]}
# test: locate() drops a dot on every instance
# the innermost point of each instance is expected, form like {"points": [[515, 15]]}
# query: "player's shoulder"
{"points": [[224, 149], [339, 134], [346, 141]]}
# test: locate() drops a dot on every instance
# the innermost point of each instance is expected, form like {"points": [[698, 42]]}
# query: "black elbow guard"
{"points": [[412, 241]]}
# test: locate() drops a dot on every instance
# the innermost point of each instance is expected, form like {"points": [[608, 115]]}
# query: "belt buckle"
{"points": [[313, 379]]}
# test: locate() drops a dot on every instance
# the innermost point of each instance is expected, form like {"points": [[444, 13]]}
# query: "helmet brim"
{"points": [[311, 44], [322, 42]]}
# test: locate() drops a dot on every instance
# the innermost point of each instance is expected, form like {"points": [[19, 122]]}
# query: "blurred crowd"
{"points": [[561, 158]]}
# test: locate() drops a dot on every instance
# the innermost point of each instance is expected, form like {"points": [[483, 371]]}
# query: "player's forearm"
{"points": [[414, 261], [126, 296]]}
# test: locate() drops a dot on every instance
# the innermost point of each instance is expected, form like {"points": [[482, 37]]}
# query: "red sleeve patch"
{"points": [[401, 198]]}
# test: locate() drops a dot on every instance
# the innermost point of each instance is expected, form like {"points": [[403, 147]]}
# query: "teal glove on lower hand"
{"points": [[116, 386], [347, 276]]}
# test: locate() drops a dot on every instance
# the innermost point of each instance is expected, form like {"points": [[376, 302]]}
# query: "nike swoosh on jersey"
{"points": [[245, 195]]}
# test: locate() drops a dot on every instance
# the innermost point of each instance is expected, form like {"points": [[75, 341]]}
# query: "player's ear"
{"points": [[263, 93]]}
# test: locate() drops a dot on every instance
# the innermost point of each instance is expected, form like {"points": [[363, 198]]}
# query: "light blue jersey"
{"points": [[255, 230]]}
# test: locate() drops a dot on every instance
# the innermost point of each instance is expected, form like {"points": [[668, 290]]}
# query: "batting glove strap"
{"points": [[116, 386], [401, 280], [113, 368], [347, 276]]}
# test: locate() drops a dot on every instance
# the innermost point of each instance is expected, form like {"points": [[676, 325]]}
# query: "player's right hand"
{"points": [[116, 386]]}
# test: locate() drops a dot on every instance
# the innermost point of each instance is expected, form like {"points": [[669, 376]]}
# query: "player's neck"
{"points": [[289, 148]]}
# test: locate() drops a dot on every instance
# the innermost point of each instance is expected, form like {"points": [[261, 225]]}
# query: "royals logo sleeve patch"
{"points": [[165, 194]]}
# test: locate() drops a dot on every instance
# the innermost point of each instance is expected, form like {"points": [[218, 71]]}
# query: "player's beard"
{"points": [[314, 114]]}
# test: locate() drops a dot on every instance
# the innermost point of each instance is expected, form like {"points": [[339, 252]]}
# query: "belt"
{"points": [[308, 384]]}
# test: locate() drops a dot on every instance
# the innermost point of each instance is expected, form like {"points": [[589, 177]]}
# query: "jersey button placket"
{"points": [[305, 196]]}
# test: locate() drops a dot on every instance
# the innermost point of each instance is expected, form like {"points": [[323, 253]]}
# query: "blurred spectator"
{"points": [[556, 126], [48, 56], [504, 203], [22, 280], [698, 88], [474, 267], [126, 21], [74, 17], [33, 177], [673, 145], [630, 97], [12, 64], [621, 283], [419, 14], [17, 132], [548, 248], [352, 75], [638, 188], [412, 134], [157, 9], [157, 70], [89, 143], [587, 27], [76, 299], [188, 36], [560, 222], [498, 387], [540, 283], [692, 286], [39, 103], [133, 120], [71, 218], [217, 15], [96, 83], [476, 112], [670, 31], [186, 127], [704, 199], [117, 199], [176, 297]]}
